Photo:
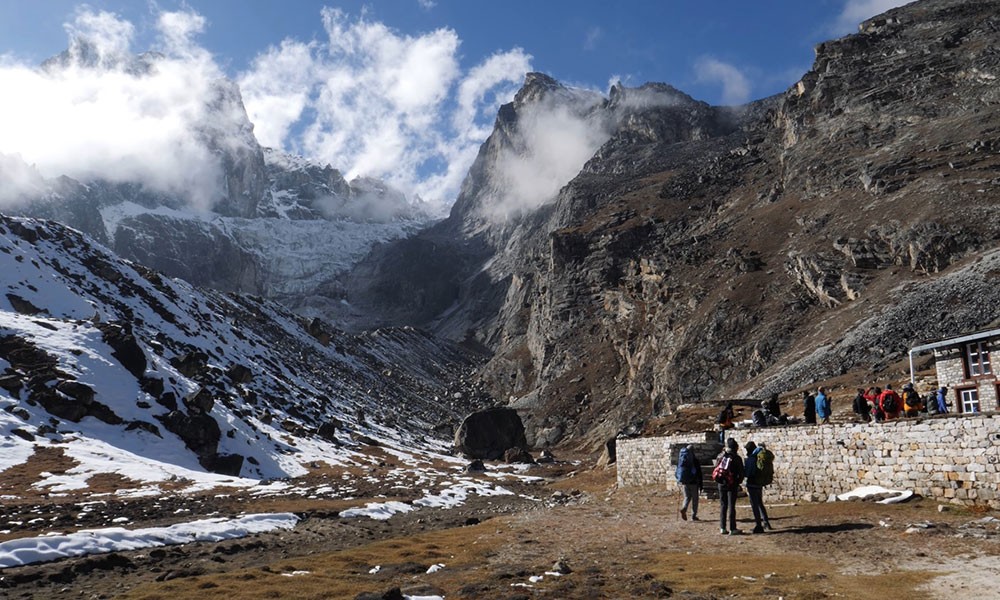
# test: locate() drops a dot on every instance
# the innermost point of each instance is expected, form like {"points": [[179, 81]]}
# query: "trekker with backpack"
{"points": [[690, 479], [912, 402], [728, 474], [861, 407], [890, 403], [759, 472]]}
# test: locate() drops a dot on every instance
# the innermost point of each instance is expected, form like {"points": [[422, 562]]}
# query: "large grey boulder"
{"points": [[487, 434]]}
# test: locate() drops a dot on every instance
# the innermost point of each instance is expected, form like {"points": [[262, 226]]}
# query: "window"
{"points": [[977, 359], [969, 400]]}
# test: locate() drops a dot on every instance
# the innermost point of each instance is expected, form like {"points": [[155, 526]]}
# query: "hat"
{"points": [[732, 445], [750, 446]]}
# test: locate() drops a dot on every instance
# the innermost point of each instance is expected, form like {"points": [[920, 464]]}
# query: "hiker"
{"points": [[942, 400], [728, 474], [809, 407], [759, 416], [690, 479], [913, 404], [861, 407], [872, 395], [774, 407], [725, 421], [759, 471], [890, 403], [822, 403]]}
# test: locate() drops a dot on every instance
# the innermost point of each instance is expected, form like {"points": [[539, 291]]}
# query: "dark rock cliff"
{"points": [[703, 253]]}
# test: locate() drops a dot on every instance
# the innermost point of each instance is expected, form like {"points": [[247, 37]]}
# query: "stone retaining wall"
{"points": [[948, 457]]}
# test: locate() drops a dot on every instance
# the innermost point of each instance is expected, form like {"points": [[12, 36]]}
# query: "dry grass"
{"points": [[346, 573], [20, 479]]}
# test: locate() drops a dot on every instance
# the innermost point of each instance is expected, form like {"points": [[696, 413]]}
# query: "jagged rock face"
{"points": [[198, 252], [703, 253]]}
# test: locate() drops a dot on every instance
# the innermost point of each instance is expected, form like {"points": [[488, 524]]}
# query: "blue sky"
{"points": [[407, 90]]}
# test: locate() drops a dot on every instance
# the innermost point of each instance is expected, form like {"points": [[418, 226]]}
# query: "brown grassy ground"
{"points": [[626, 544]]}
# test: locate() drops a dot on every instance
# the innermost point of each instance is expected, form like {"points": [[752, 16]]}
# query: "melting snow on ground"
{"points": [[876, 490], [114, 539]]}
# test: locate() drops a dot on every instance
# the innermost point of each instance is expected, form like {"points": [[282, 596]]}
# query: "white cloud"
{"points": [[554, 139], [594, 35], [735, 85], [856, 11], [367, 99], [100, 113], [427, 4], [375, 102]]}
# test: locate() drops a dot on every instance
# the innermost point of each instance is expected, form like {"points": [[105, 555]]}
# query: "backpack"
{"points": [[723, 472], [889, 404], [765, 467], [687, 469], [912, 400]]}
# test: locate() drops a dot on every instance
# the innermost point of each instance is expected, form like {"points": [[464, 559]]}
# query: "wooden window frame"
{"points": [[985, 367], [960, 403]]}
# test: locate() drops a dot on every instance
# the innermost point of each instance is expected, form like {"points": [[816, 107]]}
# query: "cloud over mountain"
{"points": [[368, 100], [375, 102]]}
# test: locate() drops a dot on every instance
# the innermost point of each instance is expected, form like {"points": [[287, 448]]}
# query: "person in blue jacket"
{"points": [[689, 477], [942, 400], [822, 406]]}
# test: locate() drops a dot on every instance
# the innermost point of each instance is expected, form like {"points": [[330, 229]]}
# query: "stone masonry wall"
{"points": [[950, 457]]}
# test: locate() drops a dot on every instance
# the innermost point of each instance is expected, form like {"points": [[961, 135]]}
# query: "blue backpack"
{"points": [[687, 468]]}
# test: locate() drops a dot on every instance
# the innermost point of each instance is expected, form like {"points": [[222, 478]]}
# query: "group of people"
{"points": [[730, 471], [884, 405], [877, 404]]}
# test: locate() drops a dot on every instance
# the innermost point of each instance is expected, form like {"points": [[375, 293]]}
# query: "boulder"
{"points": [[239, 374], [124, 347], [518, 455], [488, 434], [475, 466], [610, 454], [200, 401], [328, 430], [190, 364], [23, 306], [224, 464], [199, 432]]}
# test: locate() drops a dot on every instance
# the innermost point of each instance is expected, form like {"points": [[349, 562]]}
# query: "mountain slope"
{"points": [[101, 355]]}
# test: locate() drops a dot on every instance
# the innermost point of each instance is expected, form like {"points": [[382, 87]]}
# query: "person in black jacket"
{"points": [[755, 488], [728, 489], [690, 479], [809, 407]]}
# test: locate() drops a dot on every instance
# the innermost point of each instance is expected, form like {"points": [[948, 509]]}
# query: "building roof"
{"points": [[956, 341]]}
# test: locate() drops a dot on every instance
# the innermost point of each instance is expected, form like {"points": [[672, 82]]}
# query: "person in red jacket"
{"points": [[890, 402]]}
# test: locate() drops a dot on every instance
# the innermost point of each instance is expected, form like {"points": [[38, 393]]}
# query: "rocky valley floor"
{"points": [[608, 543]]}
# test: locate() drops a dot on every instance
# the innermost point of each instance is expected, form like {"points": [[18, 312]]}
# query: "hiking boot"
{"points": [[684, 515], [735, 532], [723, 532], [695, 518], [758, 529]]}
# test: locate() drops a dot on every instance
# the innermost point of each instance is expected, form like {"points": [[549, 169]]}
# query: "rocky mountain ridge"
{"points": [[705, 252], [93, 347]]}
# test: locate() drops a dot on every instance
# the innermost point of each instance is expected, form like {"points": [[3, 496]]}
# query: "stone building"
{"points": [[964, 367]]}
